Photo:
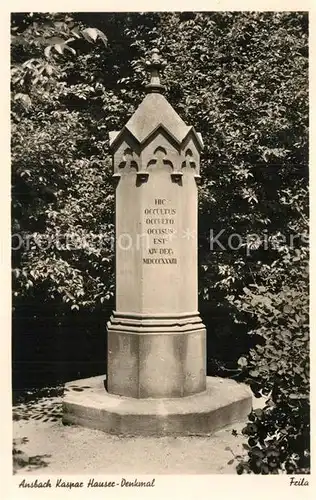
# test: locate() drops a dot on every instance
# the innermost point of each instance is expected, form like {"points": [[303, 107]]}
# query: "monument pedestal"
{"points": [[223, 403], [156, 357]]}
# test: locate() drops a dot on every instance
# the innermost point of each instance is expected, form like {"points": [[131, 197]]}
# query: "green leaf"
{"points": [[242, 362], [75, 31], [258, 412], [90, 34], [47, 51], [59, 48]]}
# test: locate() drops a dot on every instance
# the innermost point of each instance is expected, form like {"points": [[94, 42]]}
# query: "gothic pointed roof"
{"points": [[155, 112]]}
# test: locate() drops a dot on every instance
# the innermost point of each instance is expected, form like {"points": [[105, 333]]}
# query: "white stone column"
{"points": [[156, 340]]}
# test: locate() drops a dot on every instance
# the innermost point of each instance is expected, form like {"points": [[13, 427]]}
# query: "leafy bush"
{"points": [[59, 169], [279, 367]]}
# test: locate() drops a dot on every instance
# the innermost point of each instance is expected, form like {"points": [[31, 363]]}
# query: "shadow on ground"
{"points": [[21, 460]]}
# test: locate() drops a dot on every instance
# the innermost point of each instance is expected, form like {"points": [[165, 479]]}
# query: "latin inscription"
{"points": [[159, 221]]}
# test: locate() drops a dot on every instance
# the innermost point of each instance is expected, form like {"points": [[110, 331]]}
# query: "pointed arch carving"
{"points": [[160, 158], [189, 161], [128, 160]]}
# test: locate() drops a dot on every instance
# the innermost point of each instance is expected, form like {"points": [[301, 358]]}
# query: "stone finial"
{"points": [[154, 65]]}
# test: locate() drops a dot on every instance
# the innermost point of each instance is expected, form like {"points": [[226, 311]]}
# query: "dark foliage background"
{"points": [[241, 78]]}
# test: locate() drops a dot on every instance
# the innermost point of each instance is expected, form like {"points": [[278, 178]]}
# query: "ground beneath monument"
{"points": [[43, 445]]}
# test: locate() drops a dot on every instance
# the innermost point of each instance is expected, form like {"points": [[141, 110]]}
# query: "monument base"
{"points": [[156, 356], [87, 403]]}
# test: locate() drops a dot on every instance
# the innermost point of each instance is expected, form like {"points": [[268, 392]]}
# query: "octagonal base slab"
{"points": [[87, 403]]}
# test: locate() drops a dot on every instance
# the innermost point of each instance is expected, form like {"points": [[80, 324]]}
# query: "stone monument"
{"points": [[156, 381]]}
